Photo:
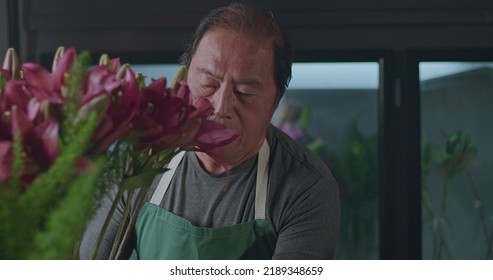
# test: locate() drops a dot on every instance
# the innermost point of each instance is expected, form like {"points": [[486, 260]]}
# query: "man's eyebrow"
{"points": [[253, 82], [206, 71]]}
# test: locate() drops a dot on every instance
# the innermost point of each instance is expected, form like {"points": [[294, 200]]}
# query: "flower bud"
{"points": [[11, 64], [104, 60], [58, 54], [180, 75], [140, 80], [121, 71]]}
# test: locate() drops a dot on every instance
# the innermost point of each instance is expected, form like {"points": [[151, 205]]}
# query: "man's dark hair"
{"points": [[251, 21]]}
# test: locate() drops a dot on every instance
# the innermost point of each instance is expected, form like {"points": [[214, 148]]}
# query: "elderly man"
{"points": [[268, 197]]}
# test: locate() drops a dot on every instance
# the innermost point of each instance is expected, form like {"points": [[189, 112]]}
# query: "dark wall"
{"points": [[164, 26], [4, 34]]}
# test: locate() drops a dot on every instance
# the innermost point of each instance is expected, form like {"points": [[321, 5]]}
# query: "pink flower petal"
{"points": [[157, 86], [38, 77], [5, 74], [83, 165], [115, 65], [183, 91], [33, 109], [16, 94], [32, 141], [48, 130], [212, 135], [20, 123], [63, 66], [111, 138]]}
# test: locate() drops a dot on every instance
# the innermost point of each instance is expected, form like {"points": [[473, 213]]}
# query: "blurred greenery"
{"points": [[355, 168], [452, 158]]}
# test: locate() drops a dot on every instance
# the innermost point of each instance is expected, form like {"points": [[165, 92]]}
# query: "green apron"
{"points": [[164, 235]]}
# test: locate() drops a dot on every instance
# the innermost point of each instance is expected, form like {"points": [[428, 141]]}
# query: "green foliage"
{"points": [[453, 158], [9, 207], [17, 164], [3, 82], [355, 168], [66, 223], [458, 153], [73, 91], [24, 216], [305, 117], [51, 182], [12, 218]]}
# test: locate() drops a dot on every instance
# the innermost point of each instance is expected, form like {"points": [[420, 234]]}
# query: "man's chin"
{"points": [[224, 152]]}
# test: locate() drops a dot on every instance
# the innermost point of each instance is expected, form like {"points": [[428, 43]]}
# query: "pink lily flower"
{"points": [[124, 99], [170, 120], [162, 113], [45, 85], [40, 141], [24, 109]]}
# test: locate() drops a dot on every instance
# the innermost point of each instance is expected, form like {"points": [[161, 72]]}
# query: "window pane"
{"points": [[457, 160], [154, 71], [332, 108]]}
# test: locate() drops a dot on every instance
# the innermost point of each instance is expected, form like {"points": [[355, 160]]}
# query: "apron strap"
{"points": [[163, 185], [260, 188], [262, 180]]}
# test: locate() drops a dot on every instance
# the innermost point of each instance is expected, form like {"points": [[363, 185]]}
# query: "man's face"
{"points": [[235, 73]]}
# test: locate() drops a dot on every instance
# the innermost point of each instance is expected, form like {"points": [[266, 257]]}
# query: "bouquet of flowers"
{"points": [[69, 134]]}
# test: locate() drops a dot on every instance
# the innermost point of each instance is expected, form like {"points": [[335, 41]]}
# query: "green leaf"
{"points": [[458, 152], [17, 164], [75, 86], [141, 180], [3, 82], [315, 146], [305, 117]]}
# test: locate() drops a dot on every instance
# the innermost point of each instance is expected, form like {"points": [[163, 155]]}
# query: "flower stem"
{"points": [[489, 238], [425, 197], [446, 184], [76, 251], [116, 242], [133, 218], [106, 223], [440, 221]]}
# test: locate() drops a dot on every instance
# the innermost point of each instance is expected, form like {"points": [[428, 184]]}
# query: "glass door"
{"points": [[457, 159]]}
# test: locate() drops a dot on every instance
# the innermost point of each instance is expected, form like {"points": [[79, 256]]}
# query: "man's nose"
{"points": [[223, 103]]}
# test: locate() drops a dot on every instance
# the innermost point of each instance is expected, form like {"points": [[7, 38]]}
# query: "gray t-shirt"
{"points": [[303, 207]]}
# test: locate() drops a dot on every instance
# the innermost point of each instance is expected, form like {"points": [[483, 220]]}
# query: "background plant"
{"points": [[452, 158]]}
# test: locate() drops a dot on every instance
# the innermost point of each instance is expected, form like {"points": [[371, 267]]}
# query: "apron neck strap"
{"points": [[262, 180], [260, 188], [162, 187]]}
